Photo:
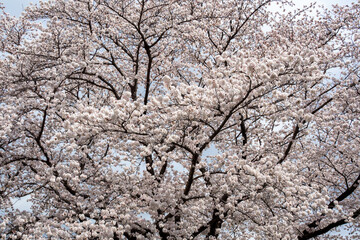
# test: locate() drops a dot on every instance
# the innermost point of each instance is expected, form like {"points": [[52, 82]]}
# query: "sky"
{"points": [[15, 7]]}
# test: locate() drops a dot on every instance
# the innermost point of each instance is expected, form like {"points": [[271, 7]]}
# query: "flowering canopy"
{"points": [[179, 119]]}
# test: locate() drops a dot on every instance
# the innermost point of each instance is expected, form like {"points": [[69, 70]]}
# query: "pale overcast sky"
{"points": [[15, 7]]}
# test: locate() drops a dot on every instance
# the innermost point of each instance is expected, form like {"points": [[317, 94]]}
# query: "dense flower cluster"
{"points": [[179, 119]]}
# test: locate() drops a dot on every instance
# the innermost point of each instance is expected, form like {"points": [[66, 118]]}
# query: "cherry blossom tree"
{"points": [[179, 119]]}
